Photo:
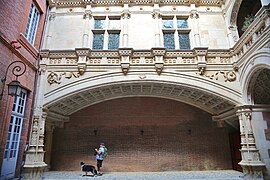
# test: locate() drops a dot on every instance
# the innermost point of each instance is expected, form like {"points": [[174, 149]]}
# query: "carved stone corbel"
{"points": [[125, 54], [158, 54], [201, 53], [82, 54]]}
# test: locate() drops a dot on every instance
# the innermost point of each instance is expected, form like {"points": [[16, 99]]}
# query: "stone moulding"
{"points": [[85, 58], [80, 3]]}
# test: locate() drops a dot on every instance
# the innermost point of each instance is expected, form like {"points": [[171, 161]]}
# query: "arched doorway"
{"points": [[143, 134]]}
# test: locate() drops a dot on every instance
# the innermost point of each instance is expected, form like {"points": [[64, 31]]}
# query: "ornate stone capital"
{"points": [[126, 14], [87, 14], [156, 15], [52, 16], [194, 14]]}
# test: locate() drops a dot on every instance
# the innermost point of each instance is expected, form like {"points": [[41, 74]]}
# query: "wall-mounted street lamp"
{"points": [[14, 87]]}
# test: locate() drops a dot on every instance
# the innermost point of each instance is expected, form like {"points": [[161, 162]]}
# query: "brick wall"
{"points": [[142, 134]]}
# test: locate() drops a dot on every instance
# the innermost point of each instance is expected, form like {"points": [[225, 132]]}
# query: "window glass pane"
{"points": [[169, 40], [113, 41], [182, 23], [167, 23], [32, 24], [184, 42], [98, 41], [5, 156], [99, 24], [114, 24]]}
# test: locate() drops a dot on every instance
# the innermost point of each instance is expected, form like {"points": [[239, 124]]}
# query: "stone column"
{"points": [[34, 160], [125, 16], [194, 16], [156, 15], [87, 17], [251, 163]]}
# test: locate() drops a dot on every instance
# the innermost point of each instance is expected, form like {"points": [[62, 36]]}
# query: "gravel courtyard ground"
{"points": [[174, 175]]}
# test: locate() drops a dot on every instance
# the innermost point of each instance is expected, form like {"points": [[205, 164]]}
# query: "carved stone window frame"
{"points": [[107, 29], [176, 30]]}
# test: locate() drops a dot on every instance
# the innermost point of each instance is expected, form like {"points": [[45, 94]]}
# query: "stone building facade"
{"points": [[166, 84], [21, 27]]}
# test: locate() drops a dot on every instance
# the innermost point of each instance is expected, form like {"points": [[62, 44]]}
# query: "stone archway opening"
{"points": [[261, 87], [143, 134], [246, 13]]}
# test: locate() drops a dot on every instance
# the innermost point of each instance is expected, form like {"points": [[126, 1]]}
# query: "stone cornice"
{"points": [[82, 3]]}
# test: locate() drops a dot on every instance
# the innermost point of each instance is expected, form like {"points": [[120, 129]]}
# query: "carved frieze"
{"points": [[76, 3], [229, 76], [53, 78]]}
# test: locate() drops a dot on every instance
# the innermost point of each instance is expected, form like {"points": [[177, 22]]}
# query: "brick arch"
{"points": [[212, 98]]}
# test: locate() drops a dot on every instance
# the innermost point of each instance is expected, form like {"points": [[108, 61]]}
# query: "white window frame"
{"points": [[32, 24]]}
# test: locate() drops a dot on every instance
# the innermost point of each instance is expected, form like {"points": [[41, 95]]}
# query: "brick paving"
{"points": [[173, 175]]}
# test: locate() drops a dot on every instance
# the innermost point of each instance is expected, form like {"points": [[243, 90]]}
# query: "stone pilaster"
{"points": [[50, 25], [234, 36], [48, 145], [34, 162], [125, 16], [251, 163], [156, 15], [87, 18], [194, 16]]}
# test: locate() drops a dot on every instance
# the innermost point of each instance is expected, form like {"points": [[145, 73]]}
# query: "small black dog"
{"points": [[88, 168]]}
